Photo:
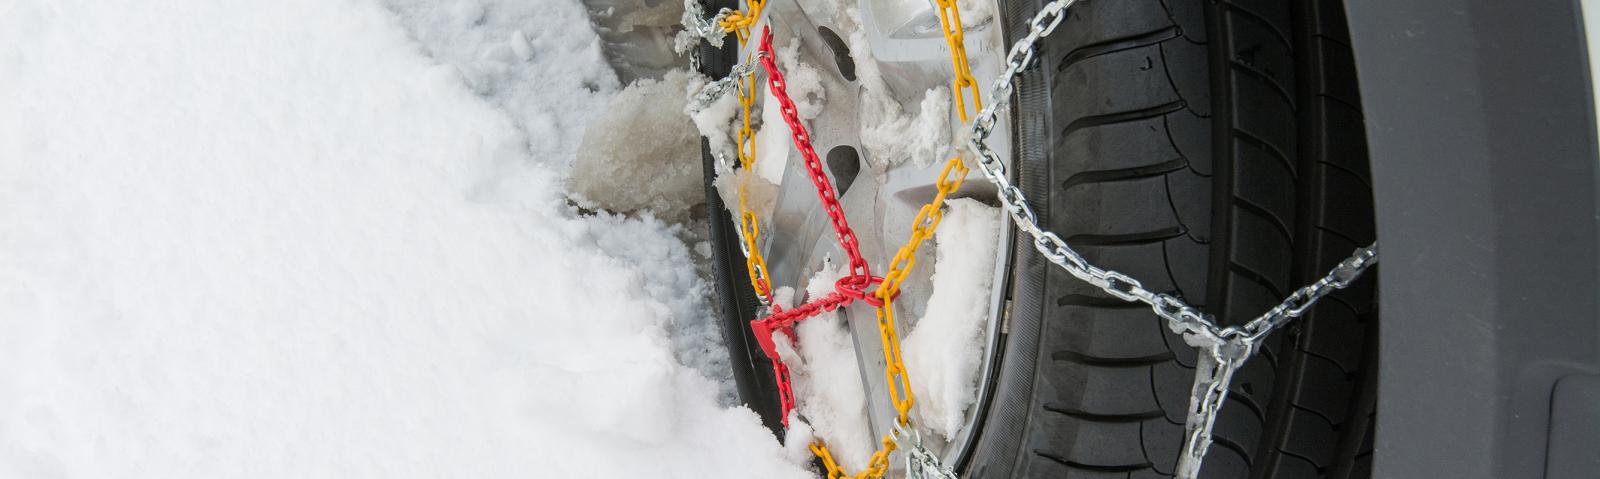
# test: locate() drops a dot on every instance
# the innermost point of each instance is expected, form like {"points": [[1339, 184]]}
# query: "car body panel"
{"points": [[1480, 121]]}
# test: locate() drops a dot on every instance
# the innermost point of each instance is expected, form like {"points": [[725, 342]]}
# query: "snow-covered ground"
{"points": [[329, 238]]}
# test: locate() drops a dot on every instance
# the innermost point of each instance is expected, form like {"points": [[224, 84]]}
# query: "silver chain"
{"points": [[920, 462], [697, 28], [1222, 350], [715, 90]]}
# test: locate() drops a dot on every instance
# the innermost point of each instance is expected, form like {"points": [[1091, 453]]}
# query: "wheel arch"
{"points": [[1481, 127]]}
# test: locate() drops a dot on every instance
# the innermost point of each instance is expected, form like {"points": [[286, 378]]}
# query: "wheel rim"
{"points": [[880, 200]]}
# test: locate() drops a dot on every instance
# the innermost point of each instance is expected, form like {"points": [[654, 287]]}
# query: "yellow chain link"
{"points": [[749, 225], [739, 22], [950, 21], [927, 221], [923, 227]]}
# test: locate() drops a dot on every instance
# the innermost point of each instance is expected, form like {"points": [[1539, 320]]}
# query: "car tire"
{"points": [[1214, 150]]}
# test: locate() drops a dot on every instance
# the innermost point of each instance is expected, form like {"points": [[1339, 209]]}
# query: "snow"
{"points": [[642, 153], [797, 439], [895, 137], [277, 240], [942, 351], [550, 94], [802, 81], [716, 121], [891, 136], [774, 139], [827, 380], [638, 36]]}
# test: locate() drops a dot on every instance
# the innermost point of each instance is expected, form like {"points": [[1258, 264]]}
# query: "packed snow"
{"points": [[638, 36], [329, 239], [942, 351], [827, 379], [539, 62], [643, 152]]}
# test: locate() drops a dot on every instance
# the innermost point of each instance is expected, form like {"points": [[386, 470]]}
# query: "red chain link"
{"points": [[802, 141], [849, 288]]}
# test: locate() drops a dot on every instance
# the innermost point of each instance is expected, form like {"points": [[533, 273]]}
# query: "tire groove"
{"points": [[1324, 417], [1162, 50], [1166, 265], [1140, 238], [1171, 17], [1226, 443], [1104, 362], [1115, 45], [1245, 272], [1122, 116], [1363, 179], [1308, 460], [1335, 363], [1341, 101], [1250, 403], [1144, 451], [1273, 82], [1335, 299], [1172, 205], [1277, 223], [1261, 19], [1166, 126], [1091, 467], [1339, 41], [1336, 234], [1105, 302], [1103, 418], [1264, 145], [1124, 174]]}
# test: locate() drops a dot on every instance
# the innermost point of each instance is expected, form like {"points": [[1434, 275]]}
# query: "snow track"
{"points": [[274, 239]]}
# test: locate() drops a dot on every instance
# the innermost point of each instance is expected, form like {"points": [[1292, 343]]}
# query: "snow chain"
{"points": [[847, 289], [749, 225], [950, 22], [919, 461], [1222, 350]]}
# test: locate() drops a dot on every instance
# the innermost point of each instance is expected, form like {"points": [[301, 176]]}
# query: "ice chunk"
{"points": [[642, 153]]}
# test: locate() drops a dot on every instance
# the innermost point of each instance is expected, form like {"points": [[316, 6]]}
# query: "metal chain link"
{"points": [[741, 78], [962, 82], [849, 288], [920, 462], [711, 92], [698, 28], [859, 271], [1222, 350], [749, 223]]}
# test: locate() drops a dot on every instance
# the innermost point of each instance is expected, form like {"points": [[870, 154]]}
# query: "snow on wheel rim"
{"points": [[873, 85]]}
